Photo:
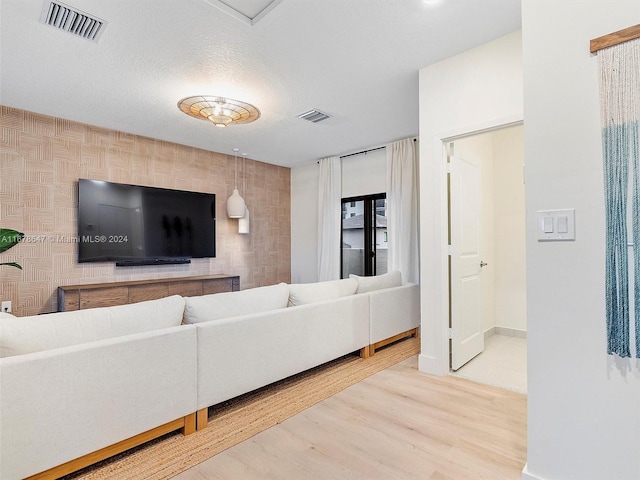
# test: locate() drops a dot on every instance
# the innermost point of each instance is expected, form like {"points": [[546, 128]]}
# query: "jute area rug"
{"points": [[239, 419]]}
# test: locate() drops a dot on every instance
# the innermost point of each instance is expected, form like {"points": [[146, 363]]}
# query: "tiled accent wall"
{"points": [[41, 159]]}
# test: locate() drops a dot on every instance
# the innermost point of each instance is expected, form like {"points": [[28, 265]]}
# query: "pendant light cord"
{"points": [[244, 175], [235, 155]]}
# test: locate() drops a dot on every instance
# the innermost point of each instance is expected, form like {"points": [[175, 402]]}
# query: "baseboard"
{"points": [[511, 332], [527, 476], [489, 333], [431, 365], [508, 332]]}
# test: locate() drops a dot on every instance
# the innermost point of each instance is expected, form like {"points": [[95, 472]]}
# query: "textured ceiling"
{"points": [[356, 60], [249, 11]]}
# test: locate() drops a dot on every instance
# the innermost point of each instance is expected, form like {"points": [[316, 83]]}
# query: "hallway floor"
{"points": [[503, 363]]}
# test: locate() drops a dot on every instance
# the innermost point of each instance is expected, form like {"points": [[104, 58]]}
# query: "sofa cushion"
{"points": [[20, 335], [378, 282], [302, 293], [6, 315], [232, 304]]}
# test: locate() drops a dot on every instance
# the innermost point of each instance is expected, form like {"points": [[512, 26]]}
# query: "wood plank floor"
{"points": [[397, 424]]}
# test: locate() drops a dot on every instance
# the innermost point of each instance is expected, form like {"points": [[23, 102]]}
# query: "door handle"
{"points": [[483, 264]]}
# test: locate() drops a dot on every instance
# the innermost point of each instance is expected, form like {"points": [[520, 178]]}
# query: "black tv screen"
{"points": [[136, 225]]}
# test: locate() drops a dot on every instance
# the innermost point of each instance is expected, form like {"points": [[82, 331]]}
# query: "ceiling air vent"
{"points": [[314, 116], [72, 20]]}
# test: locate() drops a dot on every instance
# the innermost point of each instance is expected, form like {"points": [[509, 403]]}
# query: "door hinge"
{"points": [[449, 250], [450, 332], [449, 167]]}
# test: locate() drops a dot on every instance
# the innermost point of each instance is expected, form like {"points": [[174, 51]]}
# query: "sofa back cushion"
{"points": [[20, 335], [303, 293], [378, 282], [233, 304]]}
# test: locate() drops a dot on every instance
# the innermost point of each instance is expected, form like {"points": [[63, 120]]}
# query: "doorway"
{"points": [[488, 319]]}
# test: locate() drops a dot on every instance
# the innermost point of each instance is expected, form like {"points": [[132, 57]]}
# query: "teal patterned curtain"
{"points": [[619, 68]]}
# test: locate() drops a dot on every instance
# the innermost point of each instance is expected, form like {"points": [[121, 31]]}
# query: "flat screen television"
{"points": [[136, 225]]}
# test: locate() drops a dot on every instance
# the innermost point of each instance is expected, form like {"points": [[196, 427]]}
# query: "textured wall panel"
{"points": [[41, 159]]}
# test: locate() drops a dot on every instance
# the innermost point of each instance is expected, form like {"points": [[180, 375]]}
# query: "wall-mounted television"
{"points": [[137, 225]]}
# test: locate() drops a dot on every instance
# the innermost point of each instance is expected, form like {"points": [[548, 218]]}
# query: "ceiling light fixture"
{"points": [[235, 203], [221, 111]]}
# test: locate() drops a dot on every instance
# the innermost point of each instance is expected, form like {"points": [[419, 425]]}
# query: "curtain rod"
{"points": [[365, 151]]}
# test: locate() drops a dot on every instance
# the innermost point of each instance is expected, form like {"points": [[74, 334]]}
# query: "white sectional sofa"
{"points": [[74, 383], [287, 329], [76, 387], [325, 321], [395, 313], [394, 308]]}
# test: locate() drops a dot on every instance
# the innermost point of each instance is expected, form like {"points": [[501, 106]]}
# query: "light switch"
{"points": [[556, 225], [563, 225]]}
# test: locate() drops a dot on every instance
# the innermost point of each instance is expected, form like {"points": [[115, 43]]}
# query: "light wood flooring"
{"points": [[397, 424]]}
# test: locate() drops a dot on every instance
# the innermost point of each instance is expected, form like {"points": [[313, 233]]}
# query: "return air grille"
{"points": [[314, 116], [72, 20]]}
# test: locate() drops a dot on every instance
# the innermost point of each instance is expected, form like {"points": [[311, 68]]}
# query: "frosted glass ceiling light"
{"points": [[235, 203], [221, 111]]}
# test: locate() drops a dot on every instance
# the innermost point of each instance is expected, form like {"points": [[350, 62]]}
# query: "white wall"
{"points": [[583, 405], [304, 223], [470, 92], [509, 262], [361, 175], [364, 174]]}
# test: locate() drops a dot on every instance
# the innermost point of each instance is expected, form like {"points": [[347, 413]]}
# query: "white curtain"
{"points": [[402, 209], [329, 219]]}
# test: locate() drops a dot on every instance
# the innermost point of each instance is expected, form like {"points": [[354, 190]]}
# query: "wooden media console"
{"points": [[77, 297]]}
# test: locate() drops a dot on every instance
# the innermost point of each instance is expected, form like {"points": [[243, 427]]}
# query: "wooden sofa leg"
{"points": [[414, 332], [189, 424], [202, 418]]}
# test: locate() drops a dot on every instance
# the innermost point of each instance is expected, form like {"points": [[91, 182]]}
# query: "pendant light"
{"points": [[244, 225], [235, 203]]}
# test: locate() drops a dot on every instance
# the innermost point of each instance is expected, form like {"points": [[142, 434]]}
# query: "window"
{"points": [[364, 235]]}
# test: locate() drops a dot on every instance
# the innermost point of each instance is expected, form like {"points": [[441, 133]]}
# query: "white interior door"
{"points": [[467, 336]]}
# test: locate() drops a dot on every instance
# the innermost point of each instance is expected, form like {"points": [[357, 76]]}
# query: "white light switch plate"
{"points": [[562, 225]]}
